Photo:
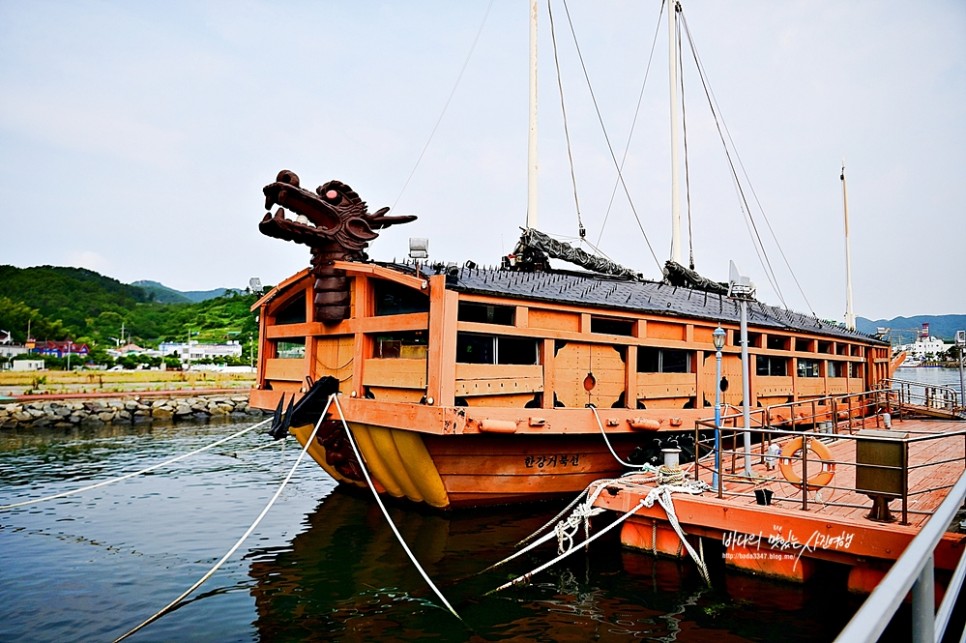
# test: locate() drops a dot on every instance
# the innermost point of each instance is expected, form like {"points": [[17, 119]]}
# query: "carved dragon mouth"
{"points": [[316, 215], [333, 213]]}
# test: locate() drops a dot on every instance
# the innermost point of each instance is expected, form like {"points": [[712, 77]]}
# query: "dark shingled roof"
{"points": [[615, 293]]}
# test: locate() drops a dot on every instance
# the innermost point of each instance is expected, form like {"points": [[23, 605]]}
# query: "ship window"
{"points": [[803, 345], [393, 299], [411, 345], [663, 360], [489, 349], [777, 343], [835, 369], [808, 368], [754, 340], [293, 311], [606, 326], [825, 347], [290, 348], [486, 313], [771, 366]]}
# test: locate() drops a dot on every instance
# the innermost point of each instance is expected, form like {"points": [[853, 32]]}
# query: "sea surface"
{"points": [[324, 565]]}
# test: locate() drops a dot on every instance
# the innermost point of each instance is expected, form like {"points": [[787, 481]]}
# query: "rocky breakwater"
{"points": [[64, 413]]}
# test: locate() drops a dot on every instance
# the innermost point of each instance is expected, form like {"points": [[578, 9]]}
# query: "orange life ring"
{"points": [[820, 479]]}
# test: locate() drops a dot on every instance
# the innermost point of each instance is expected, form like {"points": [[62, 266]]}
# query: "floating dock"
{"points": [[873, 476]]}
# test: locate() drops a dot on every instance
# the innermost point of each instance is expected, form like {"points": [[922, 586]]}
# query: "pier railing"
{"points": [[815, 422], [916, 397]]}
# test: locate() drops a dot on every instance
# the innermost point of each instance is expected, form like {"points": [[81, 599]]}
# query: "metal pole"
{"points": [[961, 343], [717, 417], [745, 386]]}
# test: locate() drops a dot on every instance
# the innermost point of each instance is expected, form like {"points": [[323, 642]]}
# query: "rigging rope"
{"points": [[684, 127], [449, 99], [563, 109], [630, 134], [135, 473], [170, 606], [610, 148], [725, 136]]}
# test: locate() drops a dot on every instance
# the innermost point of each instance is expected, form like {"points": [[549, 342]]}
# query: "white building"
{"points": [[924, 348], [8, 349], [195, 351]]}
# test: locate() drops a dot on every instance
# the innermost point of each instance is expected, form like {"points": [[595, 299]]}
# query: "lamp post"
{"points": [[718, 336], [742, 289], [961, 342]]}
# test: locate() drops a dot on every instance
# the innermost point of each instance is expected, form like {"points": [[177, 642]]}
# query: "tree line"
{"points": [[58, 303]]}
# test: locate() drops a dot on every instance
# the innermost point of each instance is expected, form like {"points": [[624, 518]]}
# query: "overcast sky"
{"points": [[135, 137]]}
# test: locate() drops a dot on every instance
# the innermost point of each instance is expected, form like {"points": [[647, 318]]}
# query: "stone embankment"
{"points": [[64, 413]]}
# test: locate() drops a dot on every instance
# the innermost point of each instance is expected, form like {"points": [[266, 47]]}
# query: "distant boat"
{"points": [[466, 386]]}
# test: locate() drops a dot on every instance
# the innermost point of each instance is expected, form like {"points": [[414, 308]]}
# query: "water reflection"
{"points": [[89, 567], [346, 577]]}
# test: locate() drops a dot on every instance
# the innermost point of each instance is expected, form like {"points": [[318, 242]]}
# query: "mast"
{"points": [[532, 138], [672, 14], [849, 312]]}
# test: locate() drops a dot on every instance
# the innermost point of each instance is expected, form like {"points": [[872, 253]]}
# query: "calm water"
{"points": [[324, 565], [930, 375]]}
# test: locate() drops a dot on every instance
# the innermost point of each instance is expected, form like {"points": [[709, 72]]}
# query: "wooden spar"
{"points": [[849, 311], [532, 165], [673, 75]]}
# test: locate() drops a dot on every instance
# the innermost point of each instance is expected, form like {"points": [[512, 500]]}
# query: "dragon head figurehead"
{"points": [[334, 223]]}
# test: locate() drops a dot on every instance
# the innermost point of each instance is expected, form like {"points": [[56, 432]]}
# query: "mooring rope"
{"points": [[553, 521], [135, 473], [526, 577], [609, 447], [170, 606], [663, 496], [392, 525], [566, 530]]}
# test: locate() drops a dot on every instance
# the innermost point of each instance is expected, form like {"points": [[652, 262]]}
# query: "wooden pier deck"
{"points": [[786, 537]]}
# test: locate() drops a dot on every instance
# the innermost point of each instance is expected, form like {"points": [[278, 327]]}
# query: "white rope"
{"points": [[526, 577], [553, 521], [567, 529], [663, 496], [392, 525], [170, 606], [609, 447], [135, 473]]}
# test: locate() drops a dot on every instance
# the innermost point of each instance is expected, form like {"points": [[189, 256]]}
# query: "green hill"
{"points": [[905, 329], [79, 304], [167, 295], [161, 293]]}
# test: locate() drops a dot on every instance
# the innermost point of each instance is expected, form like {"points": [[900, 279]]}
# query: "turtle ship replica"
{"points": [[467, 386]]}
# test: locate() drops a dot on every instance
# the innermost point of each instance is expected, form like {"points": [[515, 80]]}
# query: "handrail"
{"points": [[935, 396], [914, 570]]}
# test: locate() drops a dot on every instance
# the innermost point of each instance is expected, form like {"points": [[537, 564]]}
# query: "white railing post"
{"points": [[924, 604]]}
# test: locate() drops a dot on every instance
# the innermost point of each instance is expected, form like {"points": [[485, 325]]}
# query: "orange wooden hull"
{"points": [[457, 471]]}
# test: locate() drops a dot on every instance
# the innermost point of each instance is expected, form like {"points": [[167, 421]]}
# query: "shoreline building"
{"points": [[195, 351], [925, 348]]}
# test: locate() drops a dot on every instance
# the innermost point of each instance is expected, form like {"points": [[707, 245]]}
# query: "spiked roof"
{"points": [[650, 297]]}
